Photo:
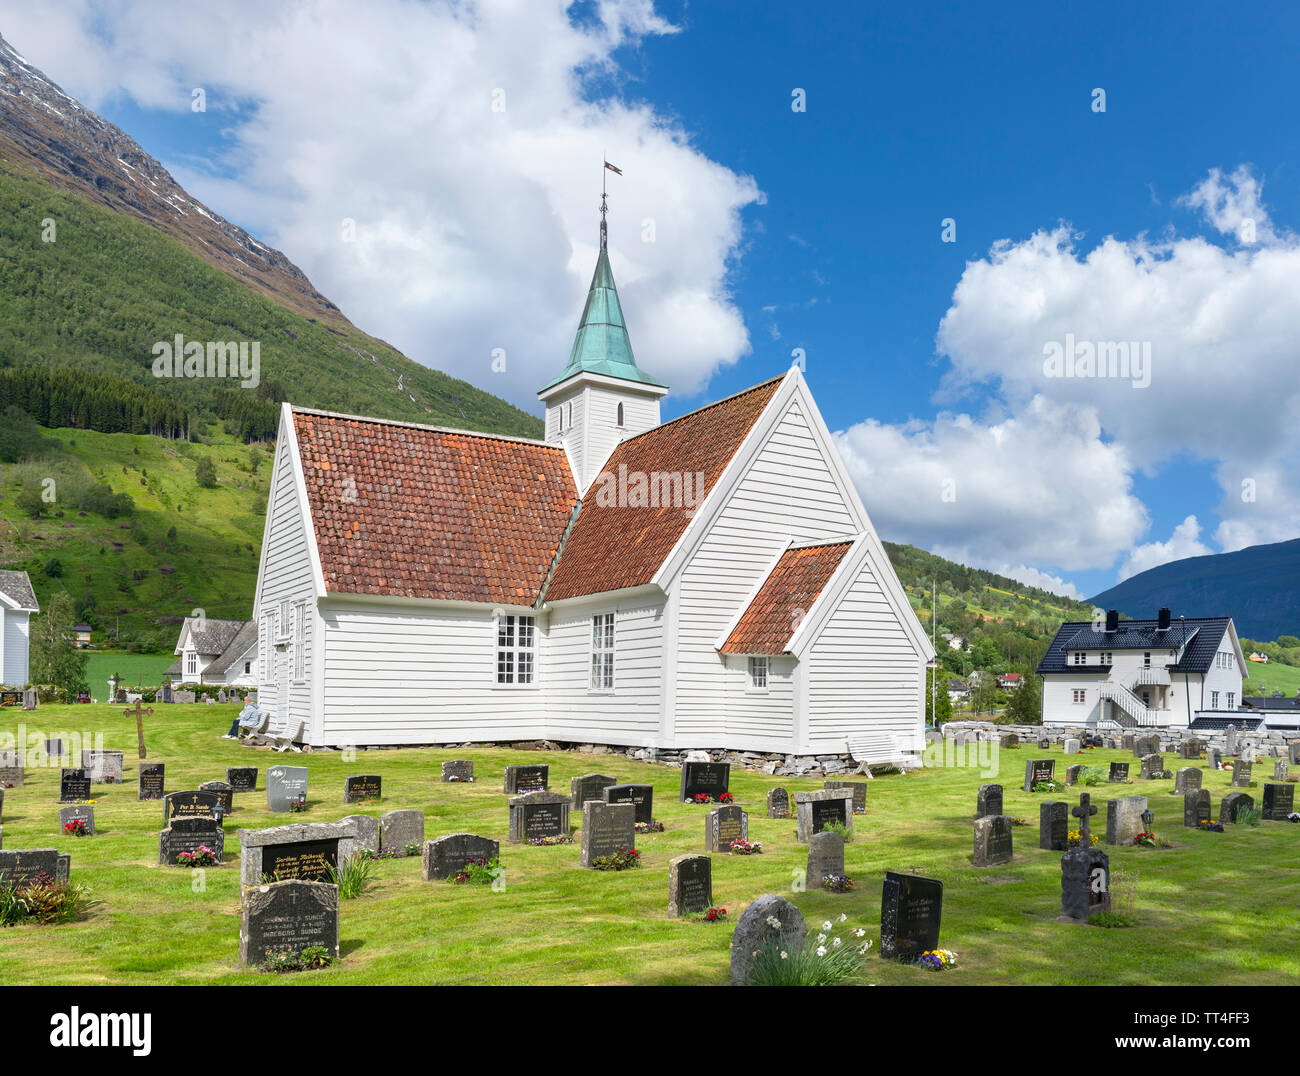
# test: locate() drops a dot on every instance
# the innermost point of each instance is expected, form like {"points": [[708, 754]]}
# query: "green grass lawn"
{"points": [[1265, 679], [1216, 908], [133, 668]]}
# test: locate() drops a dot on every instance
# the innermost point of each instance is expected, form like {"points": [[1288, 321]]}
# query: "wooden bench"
{"points": [[285, 735], [879, 749]]}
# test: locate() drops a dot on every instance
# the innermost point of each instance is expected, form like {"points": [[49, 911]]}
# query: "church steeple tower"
{"points": [[601, 397]]}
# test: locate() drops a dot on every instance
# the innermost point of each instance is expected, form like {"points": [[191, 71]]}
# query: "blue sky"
{"points": [[821, 230]]}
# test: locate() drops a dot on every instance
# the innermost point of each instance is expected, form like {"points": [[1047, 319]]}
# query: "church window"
{"points": [[602, 652], [516, 649], [758, 673]]}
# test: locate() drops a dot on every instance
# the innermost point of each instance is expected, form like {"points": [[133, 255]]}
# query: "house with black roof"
{"points": [[1157, 673]]}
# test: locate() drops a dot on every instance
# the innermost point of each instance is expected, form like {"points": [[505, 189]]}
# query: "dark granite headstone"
{"points": [[367, 786], [538, 814], [307, 850], [606, 827], [80, 812], [445, 857], [778, 803], [1118, 772], [1196, 807], [642, 797], [992, 840], [285, 785], [458, 769], [1232, 805], [288, 916], [527, 779], [724, 824], [1146, 745], [690, 885], [814, 810], [190, 803], [1053, 825], [22, 865], [152, 784], [1278, 801], [188, 833], [910, 911], [825, 858], [1240, 774], [1039, 770], [1187, 779], [988, 801], [73, 785], [225, 793], [859, 793], [707, 778], [1085, 883], [241, 778], [590, 786]]}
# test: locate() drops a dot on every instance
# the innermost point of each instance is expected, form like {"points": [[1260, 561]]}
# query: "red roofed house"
{"points": [[713, 581]]}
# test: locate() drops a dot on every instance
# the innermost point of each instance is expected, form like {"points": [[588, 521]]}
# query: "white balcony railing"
{"points": [[1152, 677]]}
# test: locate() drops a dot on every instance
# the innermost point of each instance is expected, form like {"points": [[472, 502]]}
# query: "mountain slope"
{"points": [[1259, 587]]}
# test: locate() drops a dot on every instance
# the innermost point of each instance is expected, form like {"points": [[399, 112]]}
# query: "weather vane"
{"points": [[603, 207]]}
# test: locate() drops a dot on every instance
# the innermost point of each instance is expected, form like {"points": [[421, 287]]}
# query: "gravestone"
{"points": [[102, 765], [992, 840], [1278, 801], [1072, 745], [690, 885], [285, 785], [73, 785], [988, 801], [1072, 773], [859, 793], [1232, 805], [708, 778], [1187, 779], [177, 696], [1118, 772], [1196, 807], [1085, 883], [590, 786], [151, 781], [642, 797], [1009, 740], [1146, 745], [366, 786], [458, 769], [1191, 748], [189, 804], [1293, 752], [813, 810], [1124, 819], [11, 769], [1240, 774], [81, 812], [445, 857], [225, 793], [538, 814], [606, 827], [1054, 825], [1214, 757], [187, 834], [397, 829], [241, 779], [367, 830], [288, 916], [825, 858], [911, 908], [1127, 741], [1039, 770], [308, 850], [21, 865], [1152, 765], [778, 803], [54, 751], [1280, 770], [753, 931], [724, 824], [527, 779], [1230, 740]]}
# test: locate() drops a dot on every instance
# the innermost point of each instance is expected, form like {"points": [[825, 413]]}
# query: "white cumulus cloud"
{"points": [[1184, 542]]}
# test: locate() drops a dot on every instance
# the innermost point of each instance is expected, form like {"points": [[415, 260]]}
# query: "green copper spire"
{"points": [[602, 345]]}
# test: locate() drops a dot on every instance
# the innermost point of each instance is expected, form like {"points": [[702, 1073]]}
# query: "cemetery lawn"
{"points": [[1214, 909]]}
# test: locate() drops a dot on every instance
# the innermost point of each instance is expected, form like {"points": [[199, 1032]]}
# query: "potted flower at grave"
{"points": [[713, 915], [726, 797], [75, 828]]}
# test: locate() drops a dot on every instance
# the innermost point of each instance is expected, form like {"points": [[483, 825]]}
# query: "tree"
{"points": [[206, 473], [55, 658], [938, 707], [987, 695], [1024, 705], [30, 500]]}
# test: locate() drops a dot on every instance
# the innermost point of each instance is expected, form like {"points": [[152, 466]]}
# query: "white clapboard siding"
{"points": [[787, 494], [762, 718], [864, 673], [419, 674], [286, 574], [15, 647], [630, 715]]}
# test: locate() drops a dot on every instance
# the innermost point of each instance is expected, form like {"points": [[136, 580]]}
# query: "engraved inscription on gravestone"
{"points": [[292, 916], [640, 796], [606, 827], [367, 786], [911, 908], [73, 785], [151, 780], [690, 885]]}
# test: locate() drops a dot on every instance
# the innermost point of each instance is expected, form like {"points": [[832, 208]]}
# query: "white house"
{"points": [[1140, 673], [212, 651], [17, 604], [713, 581]]}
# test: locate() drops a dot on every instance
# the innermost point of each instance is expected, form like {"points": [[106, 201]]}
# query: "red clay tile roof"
{"points": [[617, 542], [785, 597], [424, 513]]}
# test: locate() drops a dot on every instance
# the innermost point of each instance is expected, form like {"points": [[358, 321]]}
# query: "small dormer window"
{"points": [[619, 420]]}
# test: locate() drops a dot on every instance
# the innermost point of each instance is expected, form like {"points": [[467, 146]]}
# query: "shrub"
{"points": [[313, 957], [838, 827], [479, 870], [43, 900], [352, 876], [825, 960]]}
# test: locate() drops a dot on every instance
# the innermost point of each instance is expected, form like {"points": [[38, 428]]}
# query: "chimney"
{"points": [[1162, 620], [1112, 621]]}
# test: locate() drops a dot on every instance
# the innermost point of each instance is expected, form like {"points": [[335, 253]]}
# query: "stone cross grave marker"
{"points": [[139, 713], [1084, 813]]}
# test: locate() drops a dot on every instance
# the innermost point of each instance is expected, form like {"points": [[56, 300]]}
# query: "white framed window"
{"points": [[516, 649], [282, 621], [602, 652], [1080, 694], [1232, 700], [1214, 700], [1106, 657], [1080, 658], [191, 663], [264, 649], [1146, 660], [758, 673], [300, 642]]}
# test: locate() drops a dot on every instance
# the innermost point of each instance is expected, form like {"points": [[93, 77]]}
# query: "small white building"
{"points": [[17, 604], [713, 581], [213, 651], [1141, 673]]}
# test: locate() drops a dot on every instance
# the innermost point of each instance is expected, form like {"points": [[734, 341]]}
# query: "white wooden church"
{"points": [[713, 581]]}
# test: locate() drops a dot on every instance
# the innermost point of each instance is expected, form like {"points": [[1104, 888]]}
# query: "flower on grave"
{"points": [[75, 828], [837, 883], [648, 827], [1146, 838], [774, 922], [860, 933], [827, 925], [843, 917], [784, 954], [1294, 816], [726, 797], [714, 914], [821, 950], [821, 938], [745, 848], [836, 943], [936, 959]]}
